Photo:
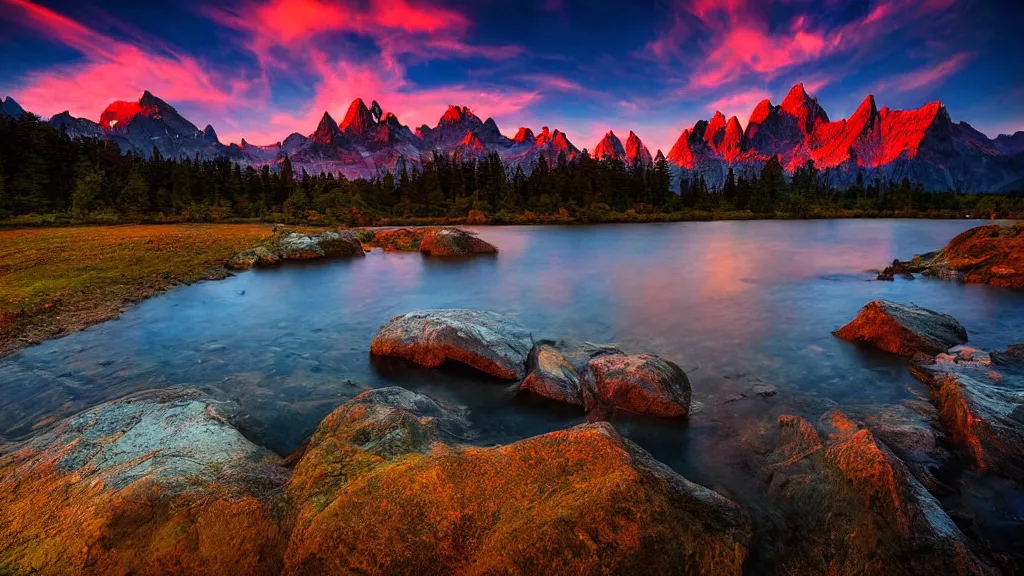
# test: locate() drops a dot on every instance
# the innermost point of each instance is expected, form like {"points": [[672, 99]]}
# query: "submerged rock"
{"points": [[856, 507], [981, 406], [453, 242], [489, 342], [577, 501], [903, 329], [157, 482]]}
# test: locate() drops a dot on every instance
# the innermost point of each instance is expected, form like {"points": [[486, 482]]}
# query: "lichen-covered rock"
{"points": [[641, 383], [903, 329], [155, 483], [490, 342], [578, 501], [989, 254], [549, 374], [453, 242], [981, 406], [259, 256], [340, 244], [855, 507]]}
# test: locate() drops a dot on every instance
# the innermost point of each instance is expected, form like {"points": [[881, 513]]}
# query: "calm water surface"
{"points": [[735, 304]]}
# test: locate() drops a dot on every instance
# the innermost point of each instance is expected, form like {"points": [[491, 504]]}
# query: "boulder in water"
{"points": [[903, 329], [489, 342]]}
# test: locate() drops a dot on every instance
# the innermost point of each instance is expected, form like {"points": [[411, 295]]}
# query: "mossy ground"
{"points": [[57, 280]]}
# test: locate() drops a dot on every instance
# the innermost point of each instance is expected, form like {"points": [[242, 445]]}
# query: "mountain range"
{"points": [[923, 145]]}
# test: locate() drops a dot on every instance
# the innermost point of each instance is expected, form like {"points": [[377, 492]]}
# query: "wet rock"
{"points": [[641, 383], [903, 329], [340, 244], [157, 482], [489, 342], [855, 508], [981, 408], [246, 259], [453, 242], [577, 501], [764, 390], [990, 254], [549, 374]]}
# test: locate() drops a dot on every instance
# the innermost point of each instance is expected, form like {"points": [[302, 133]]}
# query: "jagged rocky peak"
{"points": [[8, 107], [489, 131], [327, 131], [806, 110], [457, 115], [471, 142], [376, 111], [660, 156], [762, 112], [636, 152], [716, 128], [610, 147], [358, 121], [524, 135], [209, 134]]}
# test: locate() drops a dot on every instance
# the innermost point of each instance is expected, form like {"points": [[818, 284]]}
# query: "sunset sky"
{"points": [[261, 69]]}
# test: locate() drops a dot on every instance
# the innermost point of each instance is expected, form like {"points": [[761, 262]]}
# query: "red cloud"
{"points": [[742, 41], [110, 70]]}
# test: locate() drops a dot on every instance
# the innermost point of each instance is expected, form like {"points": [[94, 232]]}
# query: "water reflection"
{"points": [[735, 303]]}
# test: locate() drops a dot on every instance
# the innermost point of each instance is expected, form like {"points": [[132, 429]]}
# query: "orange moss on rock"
{"points": [[990, 254], [903, 329], [578, 501], [859, 509], [641, 383], [431, 241]]}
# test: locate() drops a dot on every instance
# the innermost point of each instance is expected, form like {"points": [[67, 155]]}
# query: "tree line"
{"points": [[43, 171]]}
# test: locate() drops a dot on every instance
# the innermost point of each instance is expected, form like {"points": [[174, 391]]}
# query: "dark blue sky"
{"points": [[261, 69]]}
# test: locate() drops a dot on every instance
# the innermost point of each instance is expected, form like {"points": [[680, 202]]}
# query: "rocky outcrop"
{"points": [[489, 342], [984, 255], [903, 329], [980, 398], [453, 242], [859, 509], [298, 246], [157, 482], [577, 501], [431, 241]]}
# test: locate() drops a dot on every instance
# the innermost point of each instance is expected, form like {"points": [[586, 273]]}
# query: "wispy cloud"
{"points": [[927, 77]]}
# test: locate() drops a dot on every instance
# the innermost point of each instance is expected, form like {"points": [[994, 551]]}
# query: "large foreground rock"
{"points": [[855, 507], [298, 246], [380, 491], [156, 483], [980, 398], [605, 377], [489, 342], [903, 329], [990, 254]]}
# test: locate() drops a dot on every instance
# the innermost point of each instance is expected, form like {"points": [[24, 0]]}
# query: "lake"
{"points": [[735, 304]]}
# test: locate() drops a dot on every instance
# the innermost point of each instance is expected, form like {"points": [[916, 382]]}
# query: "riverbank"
{"points": [[54, 281]]}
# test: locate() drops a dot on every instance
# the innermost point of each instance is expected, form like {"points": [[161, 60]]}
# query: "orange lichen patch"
{"points": [[839, 425], [868, 469], [903, 330], [57, 280], [961, 425], [54, 523], [453, 242], [572, 502], [398, 240], [986, 254], [641, 383], [797, 440]]}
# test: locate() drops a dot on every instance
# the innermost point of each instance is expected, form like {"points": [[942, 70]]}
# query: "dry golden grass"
{"points": [[57, 280]]}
